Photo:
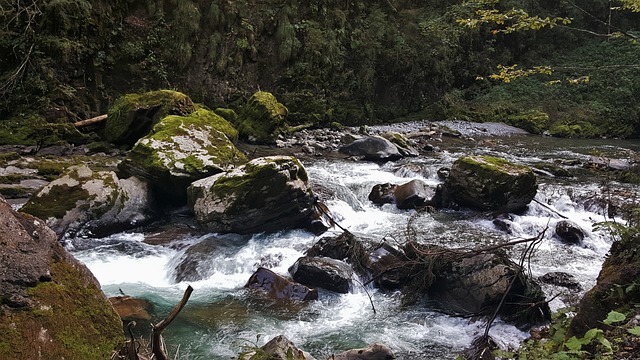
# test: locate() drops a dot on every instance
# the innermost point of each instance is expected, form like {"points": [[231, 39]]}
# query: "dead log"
{"points": [[91, 121], [157, 343]]}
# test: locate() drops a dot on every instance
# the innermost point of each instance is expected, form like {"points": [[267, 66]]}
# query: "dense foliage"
{"points": [[353, 62]]}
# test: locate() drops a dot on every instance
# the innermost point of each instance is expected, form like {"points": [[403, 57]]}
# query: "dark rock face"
{"points": [[383, 194], [266, 194], [327, 273], [561, 279], [342, 247], [46, 295], [372, 352], [373, 148], [569, 232], [277, 287], [94, 201], [195, 263], [621, 269], [489, 183], [386, 266]]}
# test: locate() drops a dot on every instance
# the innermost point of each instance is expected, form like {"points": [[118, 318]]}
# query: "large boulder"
{"points": [[475, 283], [411, 195], [266, 194], [489, 183], [182, 149], [133, 116], [403, 144], [388, 267], [278, 287], [327, 273], [569, 232], [373, 148], [261, 120], [96, 202], [50, 303]]}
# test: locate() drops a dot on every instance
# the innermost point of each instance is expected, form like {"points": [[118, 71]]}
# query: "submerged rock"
{"points": [[327, 273], [373, 148], [278, 287], [266, 194], [133, 116], [261, 120], [561, 279], [489, 183], [182, 149], [50, 303], [411, 195], [97, 202], [130, 308], [569, 232]]}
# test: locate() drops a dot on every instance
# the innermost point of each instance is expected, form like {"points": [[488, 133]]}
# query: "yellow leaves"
{"points": [[631, 5], [512, 20], [507, 74]]}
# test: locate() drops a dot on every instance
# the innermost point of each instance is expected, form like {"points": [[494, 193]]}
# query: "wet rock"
{"points": [[443, 173], [375, 351], [414, 194], [403, 144], [266, 194], [278, 287], [504, 222], [386, 264], [604, 163], [182, 149], [569, 232], [47, 296], [342, 247], [373, 148], [383, 194], [130, 308], [489, 183], [133, 116], [320, 218], [327, 273], [195, 263], [561, 279], [97, 203], [551, 169], [261, 120], [411, 195], [278, 348]]}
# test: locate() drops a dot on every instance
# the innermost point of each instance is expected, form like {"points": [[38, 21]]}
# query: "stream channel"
{"points": [[222, 318]]}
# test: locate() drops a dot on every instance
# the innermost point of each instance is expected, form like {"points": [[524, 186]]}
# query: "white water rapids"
{"points": [[222, 318]]}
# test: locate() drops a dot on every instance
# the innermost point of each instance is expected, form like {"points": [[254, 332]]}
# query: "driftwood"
{"points": [[157, 343], [91, 121]]}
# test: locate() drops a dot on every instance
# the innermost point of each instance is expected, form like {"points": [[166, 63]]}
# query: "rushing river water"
{"points": [[222, 318]]}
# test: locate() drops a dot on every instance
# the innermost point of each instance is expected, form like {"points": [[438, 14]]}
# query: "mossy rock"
{"points": [[50, 303], [261, 120], [228, 114], [82, 199], [34, 130], [578, 129], [133, 116], [535, 121], [266, 194], [182, 149], [489, 183]]}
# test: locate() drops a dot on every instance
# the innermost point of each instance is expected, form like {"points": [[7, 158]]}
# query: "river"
{"points": [[222, 318]]}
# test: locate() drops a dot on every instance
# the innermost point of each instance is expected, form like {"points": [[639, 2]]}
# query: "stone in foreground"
{"points": [[278, 287]]}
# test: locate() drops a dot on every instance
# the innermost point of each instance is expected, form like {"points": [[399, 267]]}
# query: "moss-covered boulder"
{"points": [[133, 116], [616, 288], [266, 194], [535, 121], [261, 120], [51, 306], [182, 149], [96, 202], [33, 129], [489, 183]]}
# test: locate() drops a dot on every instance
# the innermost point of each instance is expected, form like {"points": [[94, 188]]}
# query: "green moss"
{"points": [[33, 129], [73, 314], [228, 114], [494, 163], [132, 116], [535, 121], [12, 178], [16, 192], [56, 202], [262, 117], [7, 157], [577, 129]]}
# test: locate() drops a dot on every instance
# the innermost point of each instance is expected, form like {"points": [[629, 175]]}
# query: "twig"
{"points": [[93, 120], [369, 295], [157, 344], [549, 208]]}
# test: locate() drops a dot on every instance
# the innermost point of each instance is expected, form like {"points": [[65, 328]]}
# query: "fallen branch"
{"points": [[91, 121], [157, 343], [549, 208]]}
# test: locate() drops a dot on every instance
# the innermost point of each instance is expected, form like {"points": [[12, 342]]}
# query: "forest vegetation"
{"points": [[354, 62]]}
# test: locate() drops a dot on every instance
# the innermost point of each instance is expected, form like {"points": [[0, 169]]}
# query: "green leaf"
{"points": [[590, 335], [614, 317], [634, 331], [573, 344]]}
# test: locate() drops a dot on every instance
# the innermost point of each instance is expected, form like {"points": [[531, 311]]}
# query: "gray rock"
{"points": [[372, 352], [278, 287], [278, 348], [327, 273], [267, 194], [373, 148]]}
